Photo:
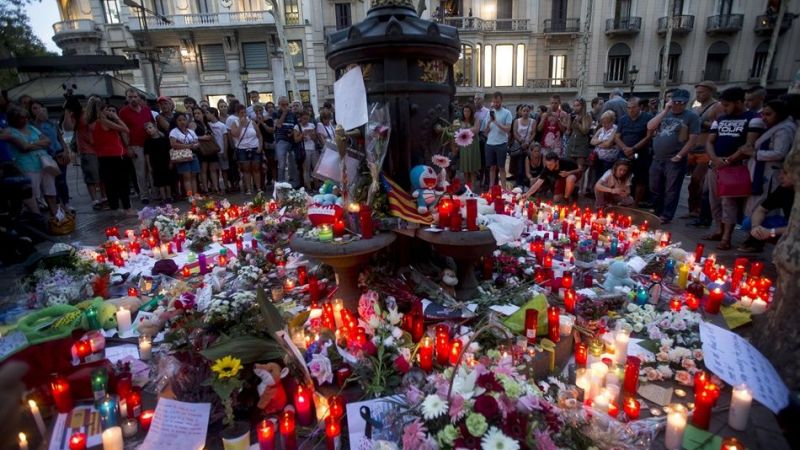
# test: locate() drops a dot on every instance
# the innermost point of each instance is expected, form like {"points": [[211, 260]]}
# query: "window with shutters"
{"points": [[111, 10], [759, 60], [462, 69], [160, 7], [212, 57], [618, 56], [558, 69], [296, 50], [343, 18], [291, 12], [170, 59], [255, 55]]}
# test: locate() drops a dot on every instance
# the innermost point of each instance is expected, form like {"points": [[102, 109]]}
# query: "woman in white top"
{"points": [[247, 139], [305, 133], [605, 147], [524, 131], [325, 128], [218, 130], [182, 137]]}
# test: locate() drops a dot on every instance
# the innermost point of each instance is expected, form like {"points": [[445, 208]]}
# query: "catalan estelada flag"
{"points": [[402, 205]]}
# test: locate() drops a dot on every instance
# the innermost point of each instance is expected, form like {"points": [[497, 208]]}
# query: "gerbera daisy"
{"points": [[227, 367], [464, 137], [433, 406], [494, 439]]}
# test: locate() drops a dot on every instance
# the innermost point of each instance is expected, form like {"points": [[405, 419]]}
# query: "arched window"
{"points": [[759, 60], [462, 70], [618, 58], [715, 62], [673, 61]]}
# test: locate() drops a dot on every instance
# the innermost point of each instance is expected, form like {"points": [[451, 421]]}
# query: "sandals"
{"points": [[724, 245], [714, 237]]}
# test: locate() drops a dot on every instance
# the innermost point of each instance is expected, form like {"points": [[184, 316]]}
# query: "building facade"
{"points": [[528, 49]]}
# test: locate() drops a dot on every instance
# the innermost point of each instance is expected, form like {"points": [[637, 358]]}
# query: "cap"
{"points": [[163, 98], [707, 84], [680, 95]]}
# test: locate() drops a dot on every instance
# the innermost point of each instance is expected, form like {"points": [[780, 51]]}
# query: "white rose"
{"points": [[397, 333]]}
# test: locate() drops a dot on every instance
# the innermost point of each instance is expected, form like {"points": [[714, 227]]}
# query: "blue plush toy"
{"points": [[326, 194], [618, 275], [423, 184]]}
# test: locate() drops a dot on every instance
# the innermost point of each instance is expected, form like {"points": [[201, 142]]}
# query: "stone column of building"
{"points": [[278, 74], [192, 67], [233, 64]]}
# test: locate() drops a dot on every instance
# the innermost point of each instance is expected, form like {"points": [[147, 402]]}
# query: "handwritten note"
{"points": [[734, 360], [350, 96], [178, 426]]}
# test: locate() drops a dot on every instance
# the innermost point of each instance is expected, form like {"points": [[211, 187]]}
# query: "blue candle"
{"points": [[108, 412], [614, 245]]}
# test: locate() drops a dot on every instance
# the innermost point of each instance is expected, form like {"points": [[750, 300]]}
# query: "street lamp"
{"points": [[244, 75], [632, 74]]}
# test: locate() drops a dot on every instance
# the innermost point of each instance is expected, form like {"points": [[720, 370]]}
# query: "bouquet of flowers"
{"points": [[228, 308], [226, 383], [149, 214], [167, 227], [60, 286], [247, 276]]}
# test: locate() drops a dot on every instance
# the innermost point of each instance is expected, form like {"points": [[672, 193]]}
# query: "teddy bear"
{"points": [[272, 394], [618, 275], [449, 282], [423, 185]]}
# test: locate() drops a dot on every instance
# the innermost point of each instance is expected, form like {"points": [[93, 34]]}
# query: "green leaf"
{"points": [[247, 348], [650, 345], [272, 317]]}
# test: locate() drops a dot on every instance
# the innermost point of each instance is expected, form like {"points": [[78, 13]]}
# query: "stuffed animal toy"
{"points": [[327, 195], [449, 282], [618, 275], [272, 394], [423, 185]]}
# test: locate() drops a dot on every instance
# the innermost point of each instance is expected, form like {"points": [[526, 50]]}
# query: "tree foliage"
{"points": [[16, 38]]}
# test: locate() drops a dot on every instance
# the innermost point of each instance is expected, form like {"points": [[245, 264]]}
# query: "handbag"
{"points": [[180, 155], [209, 148], [49, 165], [733, 181], [515, 149]]}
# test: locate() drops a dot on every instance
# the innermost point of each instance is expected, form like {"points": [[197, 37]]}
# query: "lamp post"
{"points": [[632, 74], [244, 75]]}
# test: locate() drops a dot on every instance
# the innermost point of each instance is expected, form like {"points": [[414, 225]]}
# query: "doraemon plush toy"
{"points": [[326, 195], [423, 183]]}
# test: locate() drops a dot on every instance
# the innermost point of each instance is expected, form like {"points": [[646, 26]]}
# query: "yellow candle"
{"points": [[23, 442], [683, 275], [37, 417]]}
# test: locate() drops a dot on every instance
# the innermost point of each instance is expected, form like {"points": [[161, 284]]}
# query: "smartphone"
{"points": [[491, 113]]}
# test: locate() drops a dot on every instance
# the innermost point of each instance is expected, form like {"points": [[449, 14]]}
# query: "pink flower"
{"points": [[464, 137], [683, 377], [528, 403], [698, 354], [366, 305], [653, 374], [506, 405], [441, 161], [688, 363], [543, 441], [414, 435], [457, 410], [414, 396], [662, 357], [320, 368]]}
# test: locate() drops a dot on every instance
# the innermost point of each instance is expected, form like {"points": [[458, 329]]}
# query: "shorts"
{"points": [[269, 150], [192, 166], [42, 184], [90, 168], [641, 168], [496, 155], [248, 154]]}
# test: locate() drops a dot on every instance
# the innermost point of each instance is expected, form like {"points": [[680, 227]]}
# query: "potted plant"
{"points": [[226, 384]]}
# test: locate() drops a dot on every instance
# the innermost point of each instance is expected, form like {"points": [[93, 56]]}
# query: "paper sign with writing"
{"points": [[178, 426], [734, 360], [350, 96]]}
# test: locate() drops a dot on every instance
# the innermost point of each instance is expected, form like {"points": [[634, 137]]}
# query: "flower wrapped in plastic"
{"points": [[377, 143]]}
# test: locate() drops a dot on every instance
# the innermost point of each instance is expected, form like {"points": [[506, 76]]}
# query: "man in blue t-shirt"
{"points": [[497, 126], [285, 120], [730, 142], [675, 132], [634, 140]]}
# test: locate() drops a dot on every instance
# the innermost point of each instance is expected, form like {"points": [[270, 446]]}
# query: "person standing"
{"points": [[305, 135], [59, 150], [220, 133], [135, 115], [254, 100], [481, 113], [183, 138], [285, 120], [166, 114], [469, 158], [523, 129], [248, 144], [730, 142], [634, 141], [597, 108], [578, 134], [156, 148], [106, 128], [708, 110], [604, 144], [676, 129], [75, 121], [754, 99], [200, 128], [552, 125], [617, 104], [771, 149], [28, 144], [496, 125], [266, 124]]}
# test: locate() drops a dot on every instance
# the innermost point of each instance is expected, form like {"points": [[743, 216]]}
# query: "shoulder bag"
{"points": [[181, 155], [515, 149], [733, 181]]}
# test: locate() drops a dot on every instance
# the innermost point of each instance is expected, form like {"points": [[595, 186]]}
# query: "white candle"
{"points": [[37, 417], [123, 320], [582, 380], [741, 399], [157, 252], [621, 338], [112, 439], [746, 301], [758, 306], [145, 347], [164, 250], [600, 402], [23, 442], [676, 424], [130, 427], [598, 377], [565, 324]]}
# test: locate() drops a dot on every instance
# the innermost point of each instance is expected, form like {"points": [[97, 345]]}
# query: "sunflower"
{"points": [[227, 367]]}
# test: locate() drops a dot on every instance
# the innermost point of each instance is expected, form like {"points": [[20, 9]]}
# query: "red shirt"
{"points": [[106, 142], [135, 122]]}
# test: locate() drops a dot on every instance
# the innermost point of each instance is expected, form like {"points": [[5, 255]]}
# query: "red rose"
{"points": [[402, 365], [487, 405], [467, 440], [515, 426], [489, 382]]}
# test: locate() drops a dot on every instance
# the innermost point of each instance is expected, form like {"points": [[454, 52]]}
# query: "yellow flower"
{"points": [[227, 367]]}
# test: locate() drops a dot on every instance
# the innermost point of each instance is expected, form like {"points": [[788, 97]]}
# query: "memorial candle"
{"points": [[445, 208], [77, 441], [675, 304], [303, 405], [531, 325], [455, 217], [333, 429], [581, 353], [631, 407], [302, 275], [756, 268], [146, 419], [714, 301], [732, 443], [472, 213], [683, 275], [621, 339], [701, 418], [133, 402], [553, 333], [266, 435], [698, 251], [676, 424], [145, 347], [37, 418], [442, 343], [62, 396], [313, 289], [99, 381], [108, 412], [630, 383], [426, 354], [570, 300], [112, 439], [287, 429], [23, 441], [338, 228], [739, 413], [455, 351]]}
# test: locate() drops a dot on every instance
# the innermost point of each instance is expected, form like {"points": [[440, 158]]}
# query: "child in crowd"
{"points": [[614, 187], [157, 147]]}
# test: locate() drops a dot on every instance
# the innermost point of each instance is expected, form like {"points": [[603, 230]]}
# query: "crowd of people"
{"points": [[633, 152], [628, 152]]}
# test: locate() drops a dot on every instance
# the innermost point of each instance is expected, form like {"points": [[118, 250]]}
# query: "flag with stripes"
{"points": [[402, 205]]}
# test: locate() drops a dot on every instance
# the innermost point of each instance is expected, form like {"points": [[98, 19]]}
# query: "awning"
{"points": [[50, 89], [70, 64]]}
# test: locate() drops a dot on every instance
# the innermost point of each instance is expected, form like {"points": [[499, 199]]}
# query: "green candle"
{"points": [[99, 381], [91, 317], [325, 233]]}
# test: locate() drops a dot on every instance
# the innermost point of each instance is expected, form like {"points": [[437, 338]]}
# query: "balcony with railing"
{"points": [[766, 23], [755, 75], [722, 76], [611, 80], [223, 19], [80, 29], [672, 78], [623, 26], [724, 24], [552, 26], [552, 83], [681, 25], [467, 24]]}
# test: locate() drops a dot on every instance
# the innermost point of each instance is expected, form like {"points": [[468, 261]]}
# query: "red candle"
{"points": [[455, 351], [442, 343], [302, 275], [714, 301], [365, 220], [700, 381], [61, 394], [756, 268], [332, 431], [338, 228], [581, 354], [124, 385], [254, 244], [531, 325], [499, 205], [630, 383], [134, 402], [702, 407], [239, 245], [83, 348], [146, 418], [570, 300], [313, 289], [566, 280], [178, 245], [77, 441], [303, 405], [488, 267], [553, 315], [361, 337], [613, 409], [631, 408], [675, 304], [548, 261], [455, 218], [698, 252], [133, 292], [222, 260], [266, 435], [426, 354], [342, 375], [101, 259], [336, 406], [445, 207], [287, 429], [692, 302], [472, 214], [186, 272]]}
